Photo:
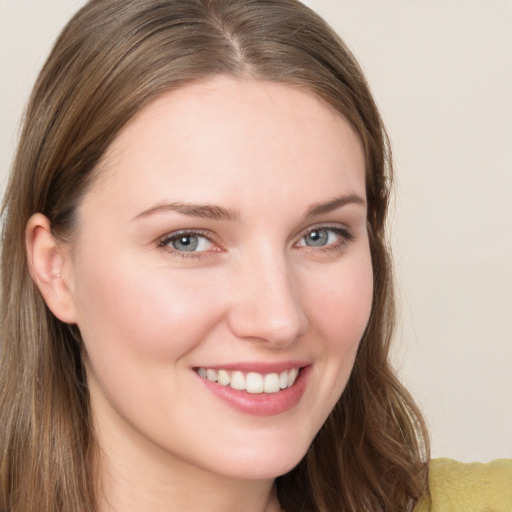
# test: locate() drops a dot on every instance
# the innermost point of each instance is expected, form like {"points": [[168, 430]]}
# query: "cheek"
{"points": [[341, 305], [138, 330], [127, 311]]}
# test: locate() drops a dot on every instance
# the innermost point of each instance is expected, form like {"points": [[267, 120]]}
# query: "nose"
{"points": [[266, 302]]}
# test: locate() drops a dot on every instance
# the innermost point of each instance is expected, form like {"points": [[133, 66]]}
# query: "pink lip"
{"points": [[259, 367], [261, 404]]}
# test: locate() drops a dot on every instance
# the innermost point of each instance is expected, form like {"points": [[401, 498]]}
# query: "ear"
{"points": [[50, 267]]}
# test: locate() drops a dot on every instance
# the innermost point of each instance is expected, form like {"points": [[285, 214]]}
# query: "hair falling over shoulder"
{"points": [[112, 59]]}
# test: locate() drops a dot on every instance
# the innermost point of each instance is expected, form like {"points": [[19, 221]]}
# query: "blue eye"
{"points": [[187, 242], [322, 237]]}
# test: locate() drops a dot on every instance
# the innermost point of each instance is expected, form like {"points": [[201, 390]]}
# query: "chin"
{"points": [[265, 464]]}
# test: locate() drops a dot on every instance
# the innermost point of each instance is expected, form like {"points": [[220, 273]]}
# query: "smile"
{"points": [[274, 389], [252, 382]]}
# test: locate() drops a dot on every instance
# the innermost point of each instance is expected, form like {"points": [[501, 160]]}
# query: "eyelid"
{"points": [[337, 228], [344, 237], [165, 240]]}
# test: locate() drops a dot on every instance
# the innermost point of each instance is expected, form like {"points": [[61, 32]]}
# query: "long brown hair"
{"points": [[112, 59]]}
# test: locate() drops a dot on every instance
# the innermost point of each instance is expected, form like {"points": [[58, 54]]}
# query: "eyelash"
{"points": [[167, 239], [344, 238], [343, 234]]}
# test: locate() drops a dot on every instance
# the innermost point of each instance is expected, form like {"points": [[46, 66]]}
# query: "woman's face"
{"points": [[223, 240]]}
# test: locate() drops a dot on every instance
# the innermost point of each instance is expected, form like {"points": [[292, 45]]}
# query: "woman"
{"points": [[197, 303]]}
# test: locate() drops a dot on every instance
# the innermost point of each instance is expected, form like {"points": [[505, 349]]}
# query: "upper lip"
{"points": [[257, 367]]}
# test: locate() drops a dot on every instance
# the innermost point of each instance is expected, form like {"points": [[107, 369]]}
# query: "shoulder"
{"points": [[474, 487]]}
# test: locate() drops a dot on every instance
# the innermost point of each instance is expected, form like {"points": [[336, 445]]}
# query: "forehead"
{"points": [[233, 138]]}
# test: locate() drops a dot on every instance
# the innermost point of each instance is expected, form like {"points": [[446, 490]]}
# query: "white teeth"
{"points": [[271, 383], [292, 376], [252, 382], [223, 378], [238, 381], [283, 380], [211, 375]]}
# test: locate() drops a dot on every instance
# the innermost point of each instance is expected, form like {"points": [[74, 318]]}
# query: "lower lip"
{"points": [[261, 404]]}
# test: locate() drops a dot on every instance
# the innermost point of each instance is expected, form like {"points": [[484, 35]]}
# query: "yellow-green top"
{"points": [[474, 487]]}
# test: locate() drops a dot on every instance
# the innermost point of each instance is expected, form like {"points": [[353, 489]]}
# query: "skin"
{"points": [[255, 291]]}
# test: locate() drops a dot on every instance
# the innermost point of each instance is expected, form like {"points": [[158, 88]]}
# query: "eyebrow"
{"points": [[214, 212], [334, 204], [201, 211]]}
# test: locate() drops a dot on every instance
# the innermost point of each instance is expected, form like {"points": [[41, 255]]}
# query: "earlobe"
{"points": [[50, 268]]}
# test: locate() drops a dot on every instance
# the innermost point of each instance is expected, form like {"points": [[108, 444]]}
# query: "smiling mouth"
{"points": [[252, 382]]}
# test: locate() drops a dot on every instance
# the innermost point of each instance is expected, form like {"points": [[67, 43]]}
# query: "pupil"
{"points": [[317, 237], [186, 243]]}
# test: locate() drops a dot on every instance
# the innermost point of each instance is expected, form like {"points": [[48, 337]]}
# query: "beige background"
{"points": [[441, 72]]}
